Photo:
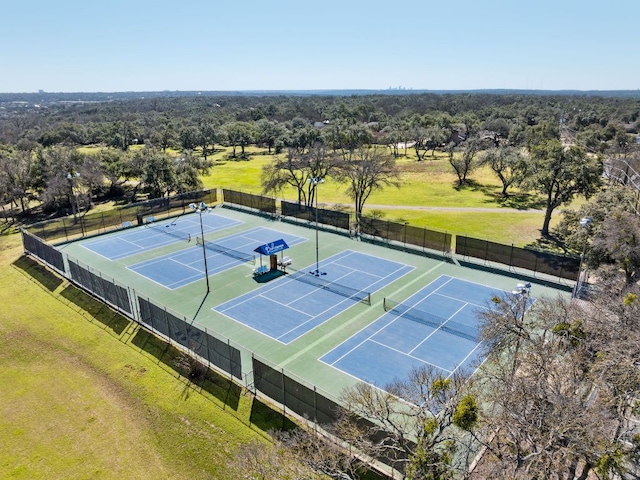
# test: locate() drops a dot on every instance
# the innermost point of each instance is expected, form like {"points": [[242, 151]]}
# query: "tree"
{"points": [[16, 177], [206, 136], [618, 240], [560, 174], [60, 169], [605, 201], [297, 169], [189, 169], [240, 134], [563, 411], [505, 326], [411, 422], [367, 170], [156, 171], [464, 163], [113, 164], [189, 137], [508, 165], [262, 461], [270, 133]]}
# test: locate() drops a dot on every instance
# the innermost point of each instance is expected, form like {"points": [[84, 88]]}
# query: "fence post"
{"points": [[486, 251], [284, 400], [511, 257]]}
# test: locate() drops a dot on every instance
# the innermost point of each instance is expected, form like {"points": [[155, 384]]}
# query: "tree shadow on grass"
{"points": [[266, 418], [38, 272], [217, 385], [518, 201], [551, 243], [97, 309]]}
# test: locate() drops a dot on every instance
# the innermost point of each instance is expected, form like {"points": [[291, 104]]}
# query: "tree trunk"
{"points": [[547, 221]]}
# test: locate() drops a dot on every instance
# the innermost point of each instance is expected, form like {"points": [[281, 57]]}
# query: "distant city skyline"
{"points": [[117, 46]]}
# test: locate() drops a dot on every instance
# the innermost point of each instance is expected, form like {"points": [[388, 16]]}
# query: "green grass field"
{"points": [[428, 187], [85, 393]]}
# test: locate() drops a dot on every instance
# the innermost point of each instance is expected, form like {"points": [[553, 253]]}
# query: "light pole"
{"points": [[200, 209], [585, 223], [315, 181], [521, 292]]}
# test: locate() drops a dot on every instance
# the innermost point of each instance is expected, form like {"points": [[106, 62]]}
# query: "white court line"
{"points": [[409, 355], [372, 323]]}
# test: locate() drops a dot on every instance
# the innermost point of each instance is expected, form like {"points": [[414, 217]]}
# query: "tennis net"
{"points": [[412, 313], [237, 254], [169, 230], [348, 292]]}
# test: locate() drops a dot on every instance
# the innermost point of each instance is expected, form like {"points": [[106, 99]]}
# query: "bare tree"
{"points": [[295, 454], [296, 170], [552, 417], [367, 170], [411, 423]]}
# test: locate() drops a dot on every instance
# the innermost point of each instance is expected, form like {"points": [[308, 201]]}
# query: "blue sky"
{"points": [[116, 45]]}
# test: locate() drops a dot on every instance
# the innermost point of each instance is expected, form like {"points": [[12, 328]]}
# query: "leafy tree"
{"points": [[560, 174], [59, 168], [464, 162], [113, 164], [367, 170], [16, 177], [156, 171], [271, 134], [164, 134], [240, 134], [391, 137], [189, 137], [206, 136], [605, 201], [618, 241], [507, 163]]}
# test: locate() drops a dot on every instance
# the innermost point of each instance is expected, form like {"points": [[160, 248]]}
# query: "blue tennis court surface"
{"points": [[436, 326], [158, 234], [289, 307], [181, 268]]}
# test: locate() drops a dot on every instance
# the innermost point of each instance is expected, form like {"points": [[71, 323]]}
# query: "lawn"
{"points": [[429, 187], [85, 393]]}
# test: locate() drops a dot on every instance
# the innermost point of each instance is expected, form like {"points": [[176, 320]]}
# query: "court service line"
{"points": [[421, 360], [383, 327], [352, 320], [440, 327]]}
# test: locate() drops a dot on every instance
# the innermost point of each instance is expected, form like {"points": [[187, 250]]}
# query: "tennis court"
{"points": [[158, 234], [186, 266], [292, 305], [436, 326]]}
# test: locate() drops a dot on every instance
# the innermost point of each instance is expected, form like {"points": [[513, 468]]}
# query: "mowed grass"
{"points": [[84, 393], [429, 187]]}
